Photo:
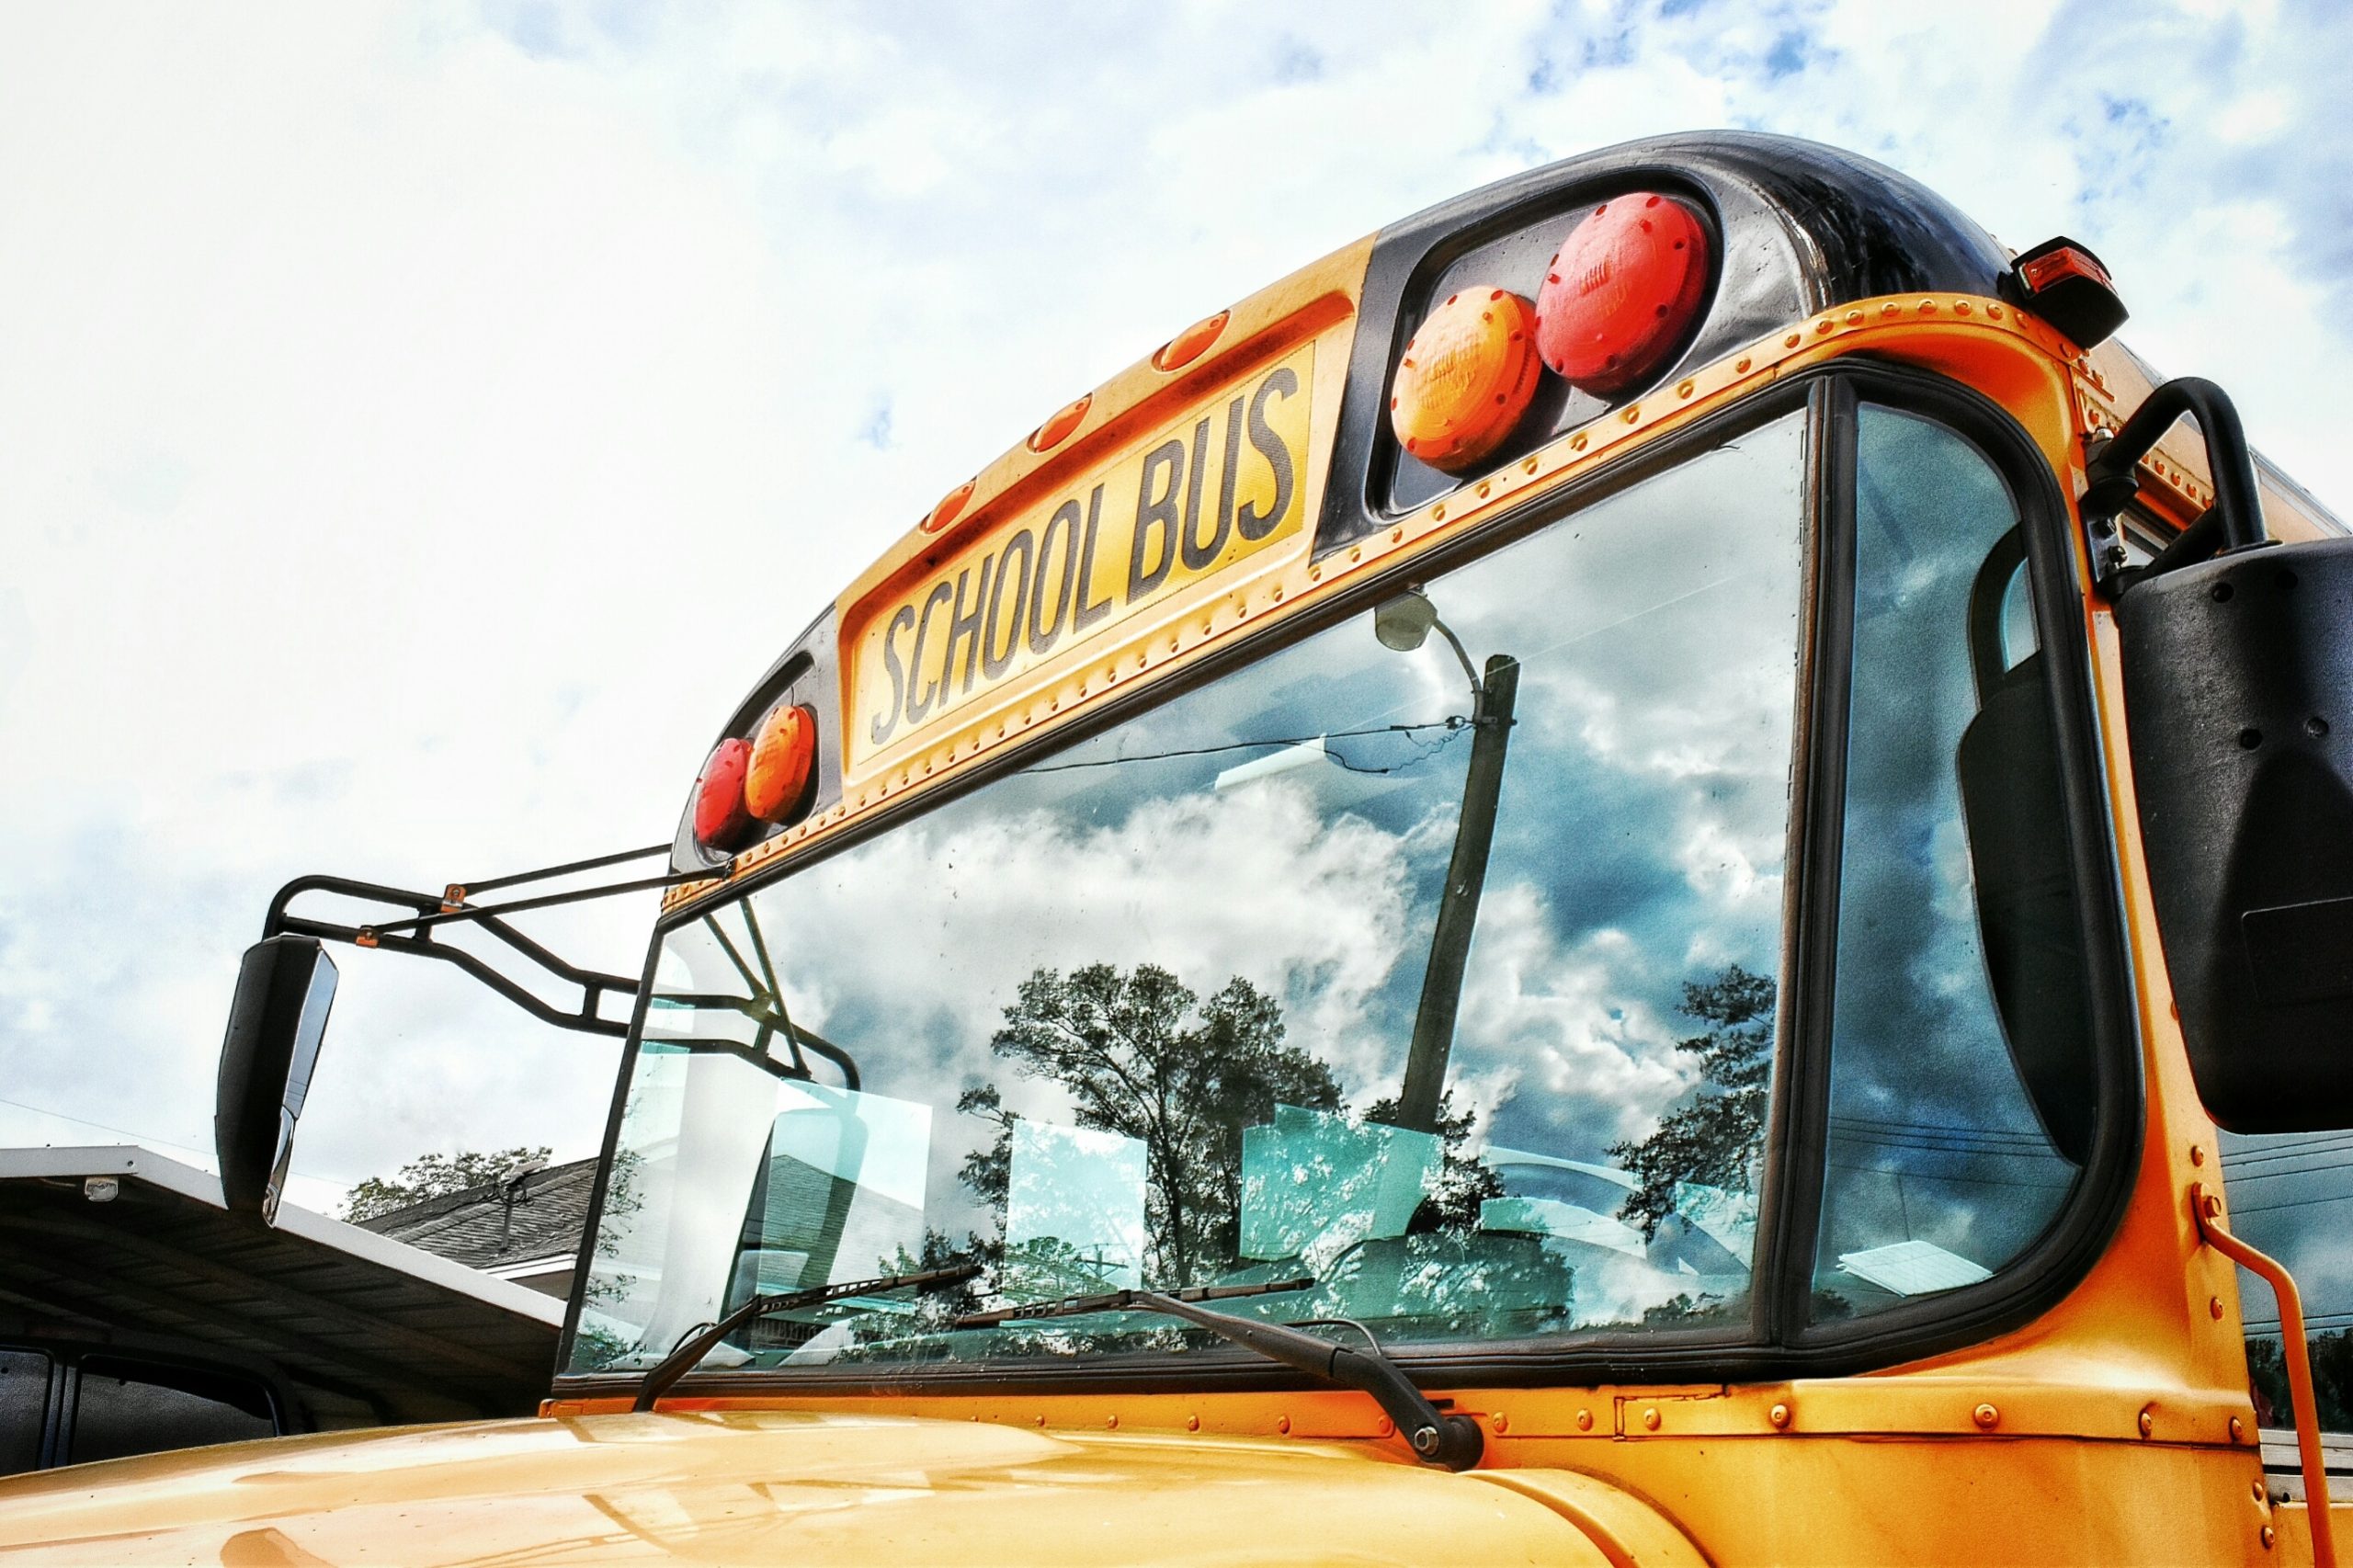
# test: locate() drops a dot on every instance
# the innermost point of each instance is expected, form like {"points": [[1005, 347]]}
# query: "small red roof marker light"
{"points": [[722, 822], [1618, 295], [2066, 285]]}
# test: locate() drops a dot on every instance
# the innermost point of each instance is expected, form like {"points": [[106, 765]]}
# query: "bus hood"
{"points": [[778, 1486]]}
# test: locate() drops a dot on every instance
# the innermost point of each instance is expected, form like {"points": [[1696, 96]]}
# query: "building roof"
{"points": [[411, 1336], [534, 1216]]}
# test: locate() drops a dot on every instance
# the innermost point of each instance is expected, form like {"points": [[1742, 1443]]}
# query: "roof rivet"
{"points": [[1891, 308], [1528, 465], [1112, 1422], [1792, 340], [1397, 536], [1779, 1416], [1632, 413], [1437, 514], [2197, 1153], [1650, 1419], [1485, 489], [1356, 554], [1854, 318], [1928, 307], [2268, 1535], [1742, 367], [1993, 312], [1962, 309], [1584, 1420], [1683, 389], [1823, 327], [2238, 1430], [1193, 1424], [1282, 1423], [2257, 1487], [1503, 1422], [2148, 1419], [1986, 1416], [1041, 1421]]}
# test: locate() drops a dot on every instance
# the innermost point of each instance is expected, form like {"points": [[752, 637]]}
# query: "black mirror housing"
{"points": [[285, 988], [2238, 690]]}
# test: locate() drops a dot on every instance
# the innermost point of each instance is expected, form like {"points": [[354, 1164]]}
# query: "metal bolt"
{"points": [[1584, 1420], [1193, 1424], [2214, 1307], [2148, 1419], [2270, 1535], [2197, 1153], [2238, 1430], [1650, 1419], [1779, 1415], [2257, 1488], [1282, 1423], [1385, 1427], [1986, 1416], [1425, 1440], [1503, 1422], [1112, 1422]]}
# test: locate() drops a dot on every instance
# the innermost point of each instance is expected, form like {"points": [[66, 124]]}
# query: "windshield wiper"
{"points": [[683, 1360], [1454, 1441]]}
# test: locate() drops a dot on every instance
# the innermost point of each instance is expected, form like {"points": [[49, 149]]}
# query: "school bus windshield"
{"points": [[1141, 1013]]}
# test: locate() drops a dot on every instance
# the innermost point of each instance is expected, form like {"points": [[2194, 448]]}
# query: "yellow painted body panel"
{"points": [[774, 1487]]}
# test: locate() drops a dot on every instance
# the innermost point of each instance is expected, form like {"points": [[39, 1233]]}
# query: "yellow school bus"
{"points": [[1655, 869]]}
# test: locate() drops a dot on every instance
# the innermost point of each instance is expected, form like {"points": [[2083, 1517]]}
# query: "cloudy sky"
{"points": [[418, 425]]}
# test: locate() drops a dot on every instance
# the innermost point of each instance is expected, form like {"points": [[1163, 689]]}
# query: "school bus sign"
{"points": [[1224, 480]]}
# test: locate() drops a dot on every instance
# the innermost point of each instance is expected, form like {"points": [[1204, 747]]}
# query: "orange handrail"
{"points": [[2208, 1208]]}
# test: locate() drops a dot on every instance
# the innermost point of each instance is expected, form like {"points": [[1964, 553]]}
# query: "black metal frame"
{"points": [[1778, 1340], [2111, 473], [451, 907]]}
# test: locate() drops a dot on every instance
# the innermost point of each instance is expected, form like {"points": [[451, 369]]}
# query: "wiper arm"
{"points": [[1454, 1441], [682, 1360]]}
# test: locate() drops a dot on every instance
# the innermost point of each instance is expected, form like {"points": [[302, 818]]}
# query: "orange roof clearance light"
{"points": [[1465, 378], [1057, 429], [1190, 343], [784, 756], [951, 507], [721, 821], [1620, 290]]}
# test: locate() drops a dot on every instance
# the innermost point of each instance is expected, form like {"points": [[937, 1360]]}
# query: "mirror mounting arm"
{"points": [[2111, 473], [413, 933]]}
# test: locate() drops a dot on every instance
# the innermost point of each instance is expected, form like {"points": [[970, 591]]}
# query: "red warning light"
{"points": [[720, 820], [1619, 293]]}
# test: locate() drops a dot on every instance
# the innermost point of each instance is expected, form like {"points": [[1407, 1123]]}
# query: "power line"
{"points": [[1453, 723]]}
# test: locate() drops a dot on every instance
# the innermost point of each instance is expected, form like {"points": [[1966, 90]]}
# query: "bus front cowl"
{"points": [[745, 1486]]}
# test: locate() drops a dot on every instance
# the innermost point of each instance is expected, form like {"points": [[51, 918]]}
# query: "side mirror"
{"points": [[278, 1017], [2238, 688]]}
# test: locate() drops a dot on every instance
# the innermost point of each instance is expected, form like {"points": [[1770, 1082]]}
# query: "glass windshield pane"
{"points": [[1961, 1092], [1196, 1000]]}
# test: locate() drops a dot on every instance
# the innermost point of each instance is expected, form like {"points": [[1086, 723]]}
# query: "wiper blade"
{"points": [[682, 1360], [1122, 1301], [1437, 1437]]}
